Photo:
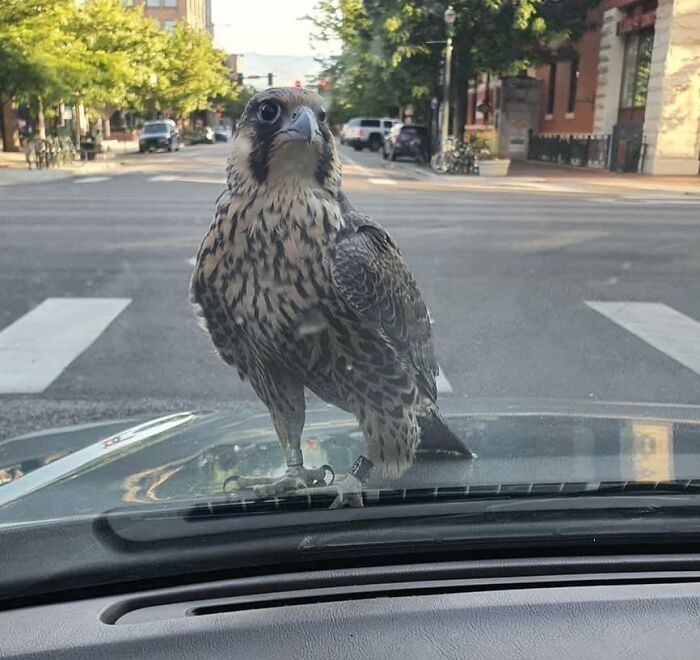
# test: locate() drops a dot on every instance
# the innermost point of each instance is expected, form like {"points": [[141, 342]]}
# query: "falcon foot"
{"points": [[296, 478], [348, 492]]}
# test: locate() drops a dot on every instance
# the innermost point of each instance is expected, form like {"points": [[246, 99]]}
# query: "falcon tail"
{"points": [[437, 438]]}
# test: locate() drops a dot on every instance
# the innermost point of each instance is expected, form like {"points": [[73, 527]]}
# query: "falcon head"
{"points": [[282, 139]]}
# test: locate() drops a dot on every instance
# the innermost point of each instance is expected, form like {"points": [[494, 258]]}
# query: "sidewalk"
{"points": [[546, 177], [14, 171], [614, 181]]}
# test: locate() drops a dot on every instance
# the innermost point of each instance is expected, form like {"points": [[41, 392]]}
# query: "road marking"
{"points": [[660, 326], [163, 177], [37, 347], [167, 242], [441, 382], [166, 178], [443, 385], [603, 200], [91, 179], [382, 182]]}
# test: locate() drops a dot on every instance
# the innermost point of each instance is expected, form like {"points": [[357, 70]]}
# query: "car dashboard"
{"points": [[607, 607]]}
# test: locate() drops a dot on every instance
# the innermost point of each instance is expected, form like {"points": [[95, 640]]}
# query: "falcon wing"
{"points": [[373, 280]]}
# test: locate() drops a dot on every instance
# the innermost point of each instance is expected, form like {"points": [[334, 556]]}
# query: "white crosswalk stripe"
{"points": [[36, 348], [163, 178], [91, 179], [660, 326], [443, 385]]}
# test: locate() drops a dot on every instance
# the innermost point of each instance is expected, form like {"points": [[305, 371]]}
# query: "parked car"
{"points": [[361, 132], [407, 141], [203, 135], [160, 134], [222, 134]]}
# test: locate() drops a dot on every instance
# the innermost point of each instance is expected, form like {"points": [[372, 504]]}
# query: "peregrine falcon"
{"points": [[299, 290]]}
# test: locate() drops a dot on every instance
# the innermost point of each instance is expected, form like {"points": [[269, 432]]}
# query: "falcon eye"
{"points": [[269, 111], [322, 115]]}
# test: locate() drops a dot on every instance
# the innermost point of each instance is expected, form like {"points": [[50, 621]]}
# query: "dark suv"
{"points": [[407, 141]]}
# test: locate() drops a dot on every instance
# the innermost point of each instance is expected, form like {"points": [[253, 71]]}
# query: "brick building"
{"points": [[167, 12], [629, 99]]}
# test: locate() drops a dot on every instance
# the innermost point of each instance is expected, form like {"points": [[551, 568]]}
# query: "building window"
{"points": [[153, 3], [127, 3], [170, 3], [636, 69], [573, 86], [551, 87], [169, 26]]}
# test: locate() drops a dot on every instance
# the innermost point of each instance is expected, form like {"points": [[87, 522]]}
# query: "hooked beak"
{"points": [[302, 127]]}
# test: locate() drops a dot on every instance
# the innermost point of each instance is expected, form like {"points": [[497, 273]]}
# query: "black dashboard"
{"points": [[603, 607]]}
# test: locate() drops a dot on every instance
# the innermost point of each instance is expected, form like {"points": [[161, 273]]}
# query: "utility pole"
{"points": [[449, 18]]}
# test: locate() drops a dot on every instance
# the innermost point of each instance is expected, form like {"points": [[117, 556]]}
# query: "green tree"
{"points": [[120, 55], [235, 105], [391, 50], [105, 56], [195, 71], [35, 61]]}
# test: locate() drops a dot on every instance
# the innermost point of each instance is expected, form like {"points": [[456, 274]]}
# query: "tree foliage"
{"points": [[106, 56], [195, 71], [391, 50]]}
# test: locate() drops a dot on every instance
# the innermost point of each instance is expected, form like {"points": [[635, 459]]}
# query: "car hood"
{"points": [[88, 469]]}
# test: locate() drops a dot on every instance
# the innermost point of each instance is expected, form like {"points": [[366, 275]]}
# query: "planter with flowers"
{"points": [[490, 165]]}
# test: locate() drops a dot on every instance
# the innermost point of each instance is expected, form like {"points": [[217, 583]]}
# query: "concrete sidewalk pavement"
{"points": [[544, 177], [14, 170]]}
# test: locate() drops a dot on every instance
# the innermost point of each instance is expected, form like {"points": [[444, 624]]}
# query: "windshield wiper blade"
{"points": [[476, 492]]}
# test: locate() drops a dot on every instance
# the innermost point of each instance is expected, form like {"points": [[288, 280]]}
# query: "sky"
{"points": [[269, 27]]}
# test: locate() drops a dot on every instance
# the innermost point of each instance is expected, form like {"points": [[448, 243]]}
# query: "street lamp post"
{"points": [[449, 18]]}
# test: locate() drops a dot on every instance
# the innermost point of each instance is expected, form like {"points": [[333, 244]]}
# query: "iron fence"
{"points": [[582, 151]]}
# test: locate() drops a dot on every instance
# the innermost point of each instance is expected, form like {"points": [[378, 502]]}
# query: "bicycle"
{"points": [[67, 153], [457, 158]]}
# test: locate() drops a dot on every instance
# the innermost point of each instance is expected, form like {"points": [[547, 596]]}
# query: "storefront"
{"points": [[630, 99], [636, 29]]}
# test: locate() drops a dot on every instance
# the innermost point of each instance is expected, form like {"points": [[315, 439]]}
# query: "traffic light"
{"points": [[323, 85], [239, 78], [269, 80], [297, 83]]}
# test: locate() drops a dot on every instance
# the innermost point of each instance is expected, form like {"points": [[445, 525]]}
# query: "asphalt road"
{"points": [[507, 277]]}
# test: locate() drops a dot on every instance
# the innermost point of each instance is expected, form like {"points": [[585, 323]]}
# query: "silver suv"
{"points": [[361, 132]]}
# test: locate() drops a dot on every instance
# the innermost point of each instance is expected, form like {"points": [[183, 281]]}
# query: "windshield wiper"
{"points": [[478, 492]]}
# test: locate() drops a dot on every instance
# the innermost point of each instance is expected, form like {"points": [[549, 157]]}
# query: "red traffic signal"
{"points": [[297, 83], [323, 85]]}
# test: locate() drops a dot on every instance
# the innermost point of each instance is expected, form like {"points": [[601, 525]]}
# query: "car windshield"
{"points": [[300, 303], [156, 128]]}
